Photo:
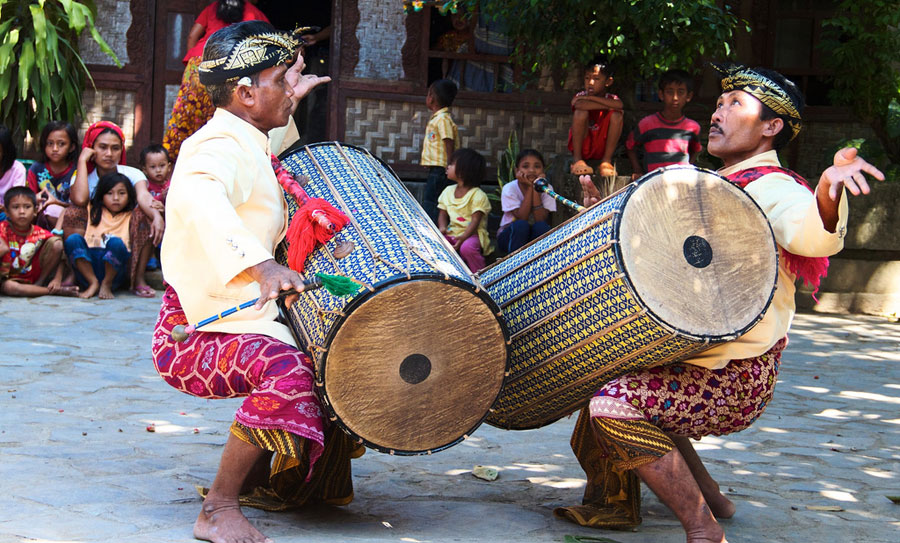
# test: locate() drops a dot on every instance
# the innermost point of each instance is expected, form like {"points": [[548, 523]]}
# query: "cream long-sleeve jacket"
{"points": [[794, 215], [225, 212]]}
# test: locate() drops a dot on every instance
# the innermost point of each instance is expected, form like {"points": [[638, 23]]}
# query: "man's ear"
{"points": [[772, 127], [244, 95], [689, 96]]}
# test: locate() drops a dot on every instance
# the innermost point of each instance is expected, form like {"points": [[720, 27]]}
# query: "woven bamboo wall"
{"points": [[393, 130]]}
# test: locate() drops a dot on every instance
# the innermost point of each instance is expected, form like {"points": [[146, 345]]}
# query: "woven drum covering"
{"points": [[412, 362], [670, 265]]}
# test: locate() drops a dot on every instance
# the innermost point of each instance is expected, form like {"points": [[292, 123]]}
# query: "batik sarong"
{"points": [[627, 422], [277, 379], [193, 108]]}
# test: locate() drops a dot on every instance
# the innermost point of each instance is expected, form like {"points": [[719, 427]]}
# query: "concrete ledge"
{"points": [[856, 286]]}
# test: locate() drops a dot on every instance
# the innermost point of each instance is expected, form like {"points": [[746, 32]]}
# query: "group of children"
{"points": [[460, 208], [67, 225]]}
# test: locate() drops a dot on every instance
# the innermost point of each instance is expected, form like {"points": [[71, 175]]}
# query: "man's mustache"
{"points": [[716, 126]]}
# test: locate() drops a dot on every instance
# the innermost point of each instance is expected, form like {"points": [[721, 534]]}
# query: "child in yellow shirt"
{"points": [[463, 208]]}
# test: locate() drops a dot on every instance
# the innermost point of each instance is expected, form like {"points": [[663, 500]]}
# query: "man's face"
{"points": [[21, 212], [272, 105], [736, 131]]}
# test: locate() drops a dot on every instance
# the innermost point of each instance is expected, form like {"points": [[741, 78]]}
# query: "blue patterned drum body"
{"points": [[663, 269], [412, 362]]}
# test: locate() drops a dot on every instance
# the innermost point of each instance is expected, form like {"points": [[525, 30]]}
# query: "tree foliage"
{"points": [[860, 46], [639, 37], [41, 73]]}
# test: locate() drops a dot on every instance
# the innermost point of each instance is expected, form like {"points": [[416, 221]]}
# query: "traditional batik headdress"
{"points": [[770, 93], [251, 55]]}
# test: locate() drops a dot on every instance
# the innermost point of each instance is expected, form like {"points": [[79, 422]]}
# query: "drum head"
{"points": [[416, 367], [699, 252]]}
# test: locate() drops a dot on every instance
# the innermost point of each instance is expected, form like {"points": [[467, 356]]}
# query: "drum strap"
{"points": [[810, 269]]}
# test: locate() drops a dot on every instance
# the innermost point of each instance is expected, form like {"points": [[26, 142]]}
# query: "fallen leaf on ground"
{"points": [[895, 499]]}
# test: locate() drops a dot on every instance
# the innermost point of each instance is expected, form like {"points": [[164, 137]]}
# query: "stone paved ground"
{"points": [[77, 464]]}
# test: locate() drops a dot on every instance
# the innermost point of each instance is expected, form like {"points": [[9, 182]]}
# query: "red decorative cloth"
{"points": [[276, 378], [316, 220], [91, 136], [808, 268]]}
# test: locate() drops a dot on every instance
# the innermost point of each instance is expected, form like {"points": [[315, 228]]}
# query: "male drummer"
{"points": [[225, 214], [642, 423]]}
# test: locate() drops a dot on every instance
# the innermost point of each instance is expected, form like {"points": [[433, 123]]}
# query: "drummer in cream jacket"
{"points": [[226, 212], [643, 421]]}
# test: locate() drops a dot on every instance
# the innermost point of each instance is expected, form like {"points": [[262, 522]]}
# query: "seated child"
{"points": [[667, 137], [526, 212], [441, 138], [12, 172], [30, 256], [51, 178], [464, 208], [596, 122], [100, 257]]}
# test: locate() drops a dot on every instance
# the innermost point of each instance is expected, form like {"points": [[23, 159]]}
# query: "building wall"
{"points": [[113, 22]]}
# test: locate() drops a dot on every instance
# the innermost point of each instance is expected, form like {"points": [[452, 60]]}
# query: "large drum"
{"points": [[412, 362], [660, 270]]}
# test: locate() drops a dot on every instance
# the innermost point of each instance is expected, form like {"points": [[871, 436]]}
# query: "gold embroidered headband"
{"points": [[251, 55], [771, 94]]}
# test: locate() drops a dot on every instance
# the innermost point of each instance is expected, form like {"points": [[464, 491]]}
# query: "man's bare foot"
{"points": [[106, 292], [720, 506], [90, 290], [223, 522]]}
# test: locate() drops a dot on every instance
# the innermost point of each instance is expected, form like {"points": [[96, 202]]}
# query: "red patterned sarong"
{"points": [[692, 401], [276, 378]]}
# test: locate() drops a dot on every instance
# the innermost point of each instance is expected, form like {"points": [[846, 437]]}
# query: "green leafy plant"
{"points": [[640, 38], [41, 73], [860, 46], [506, 167]]}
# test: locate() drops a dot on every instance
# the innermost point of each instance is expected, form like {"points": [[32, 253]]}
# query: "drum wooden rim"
{"points": [[360, 301]]}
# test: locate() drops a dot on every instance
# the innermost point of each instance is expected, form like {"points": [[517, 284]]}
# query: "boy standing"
{"points": [[441, 139], [666, 137], [30, 256], [596, 122]]}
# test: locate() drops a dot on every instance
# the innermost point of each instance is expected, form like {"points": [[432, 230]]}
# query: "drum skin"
{"points": [[667, 267], [413, 361]]}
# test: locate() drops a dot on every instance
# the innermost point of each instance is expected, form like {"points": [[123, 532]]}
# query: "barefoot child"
{"points": [[30, 256], [52, 176], [526, 212], [441, 138], [596, 122], [463, 208], [100, 257]]}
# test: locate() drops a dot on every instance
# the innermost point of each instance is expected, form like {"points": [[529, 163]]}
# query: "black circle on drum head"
{"points": [[415, 368], [697, 252]]}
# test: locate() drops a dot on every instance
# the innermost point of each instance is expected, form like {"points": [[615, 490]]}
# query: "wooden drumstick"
{"points": [[334, 284], [540, 185]]}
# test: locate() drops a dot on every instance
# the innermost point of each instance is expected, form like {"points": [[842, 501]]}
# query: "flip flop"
{"points": [[607, 170], [144, 291]]}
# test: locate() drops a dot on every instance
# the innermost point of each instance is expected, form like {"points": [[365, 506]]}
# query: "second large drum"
{"points": [[665, 268], [411, 363]]}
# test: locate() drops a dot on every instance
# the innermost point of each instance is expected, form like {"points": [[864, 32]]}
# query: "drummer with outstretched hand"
{"points": [[225, 214], [641, 423]]}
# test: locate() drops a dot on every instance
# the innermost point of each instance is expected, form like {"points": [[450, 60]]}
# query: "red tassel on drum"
{"points": [[316, 220]]}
